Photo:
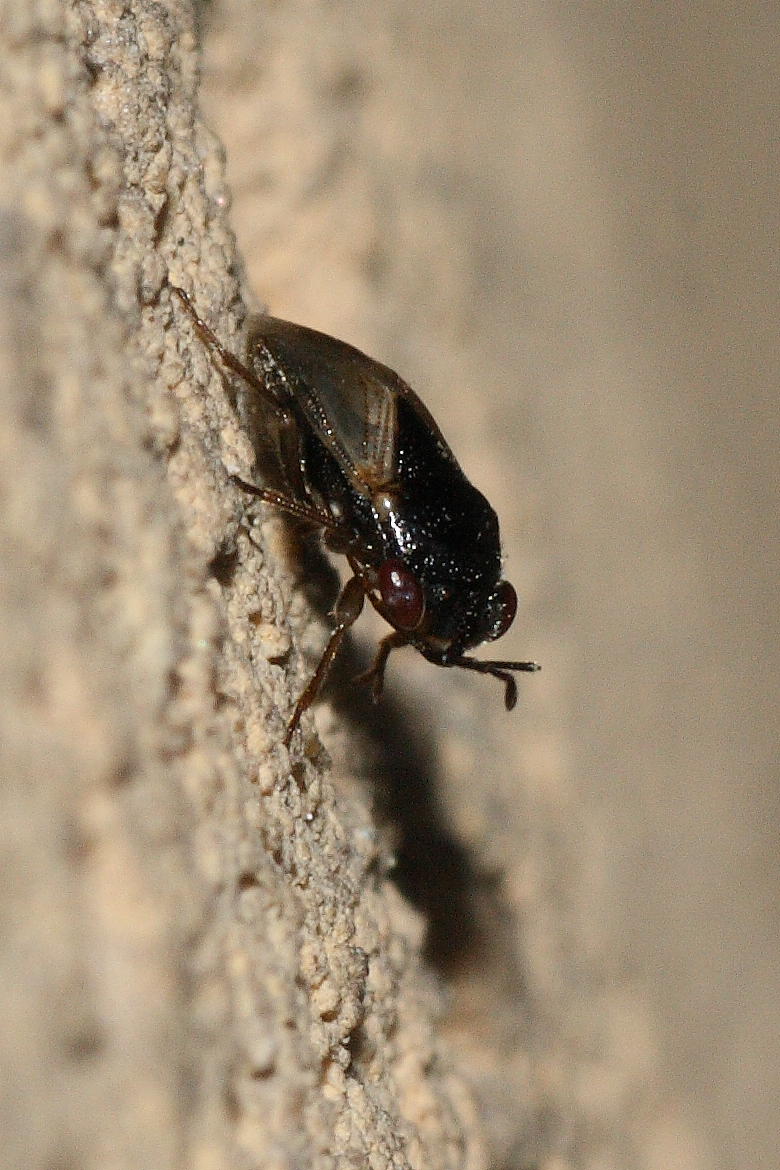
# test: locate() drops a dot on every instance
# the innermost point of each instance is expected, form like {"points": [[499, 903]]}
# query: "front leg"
{"points": [[347, 610], [376, 673]]}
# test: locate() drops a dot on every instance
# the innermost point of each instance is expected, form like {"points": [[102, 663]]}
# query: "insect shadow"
{"points": [[433, 868], [462, 906], [467, 920]]}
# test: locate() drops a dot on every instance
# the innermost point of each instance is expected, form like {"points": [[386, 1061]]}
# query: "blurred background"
{"points": [[559, 223]]}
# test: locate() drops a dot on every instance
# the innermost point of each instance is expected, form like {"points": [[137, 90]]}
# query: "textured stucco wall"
{"points": [[559, 221], [449, 937], [205, 962]]}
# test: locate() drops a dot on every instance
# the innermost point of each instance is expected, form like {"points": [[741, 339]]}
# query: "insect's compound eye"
{"points": [[502, 610], [402, 595]]}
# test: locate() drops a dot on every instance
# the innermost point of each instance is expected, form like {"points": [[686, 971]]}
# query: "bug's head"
{"points": [[443, 622], [443, 619], [469, 615]]}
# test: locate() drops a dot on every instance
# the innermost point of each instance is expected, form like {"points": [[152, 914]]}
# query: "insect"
{"points": [[363, 460]]}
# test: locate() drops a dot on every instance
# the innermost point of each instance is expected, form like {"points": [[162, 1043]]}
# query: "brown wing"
{"points": [[349, 399]]}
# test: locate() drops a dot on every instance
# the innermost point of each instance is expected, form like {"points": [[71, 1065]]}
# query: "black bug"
{"points": [[363, 460]]}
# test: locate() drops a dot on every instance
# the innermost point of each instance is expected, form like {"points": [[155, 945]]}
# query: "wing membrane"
{"points": [[349, 399]]}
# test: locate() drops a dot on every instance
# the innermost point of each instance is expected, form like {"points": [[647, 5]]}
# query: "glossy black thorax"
{"points": [[429, 516]]}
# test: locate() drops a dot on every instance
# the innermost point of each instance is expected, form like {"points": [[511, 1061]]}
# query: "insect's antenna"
{"points": [[501, 671]]}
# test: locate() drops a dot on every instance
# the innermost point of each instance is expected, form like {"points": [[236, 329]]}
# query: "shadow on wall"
{"points": [[468, 923]]}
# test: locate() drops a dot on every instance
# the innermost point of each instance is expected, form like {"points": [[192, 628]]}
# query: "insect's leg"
{"points": [[287, 431], [499, 670], [376, 673], [346, 611], [308, 512], [229, 360]]}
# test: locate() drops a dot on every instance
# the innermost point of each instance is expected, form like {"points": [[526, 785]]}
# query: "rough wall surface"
{"points": [[204, 962], [206, 958], [559, 221]]}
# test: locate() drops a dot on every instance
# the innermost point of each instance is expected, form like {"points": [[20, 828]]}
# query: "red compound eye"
{"points": [[503, 607], [402, 595]]}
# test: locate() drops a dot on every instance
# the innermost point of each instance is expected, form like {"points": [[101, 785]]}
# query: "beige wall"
{"points": [[561, 221]]}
